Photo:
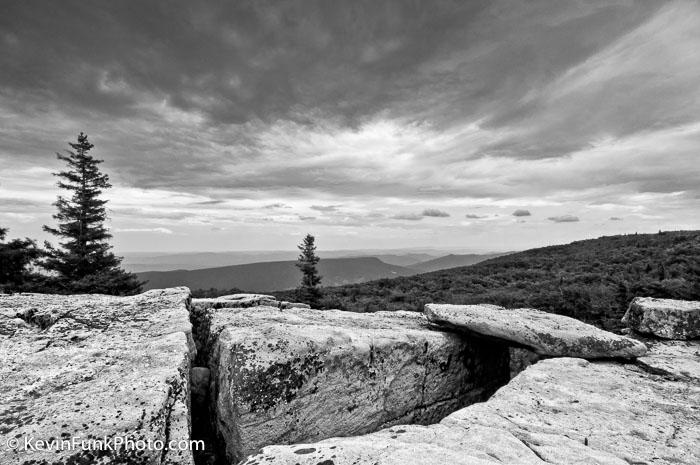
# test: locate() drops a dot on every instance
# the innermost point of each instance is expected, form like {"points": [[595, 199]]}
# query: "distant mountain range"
{"points": [[137, 262], [270, 276], [281, 275]]}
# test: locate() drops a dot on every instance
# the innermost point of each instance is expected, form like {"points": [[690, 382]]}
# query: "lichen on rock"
{"points": [[93, 367]]}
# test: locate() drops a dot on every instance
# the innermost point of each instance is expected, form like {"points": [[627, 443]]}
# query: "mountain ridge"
{"points": [[269, 276]]}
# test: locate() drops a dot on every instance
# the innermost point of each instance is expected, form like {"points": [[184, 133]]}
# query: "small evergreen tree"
{"points": [[85, 263], [309, 291], [16, 259]]}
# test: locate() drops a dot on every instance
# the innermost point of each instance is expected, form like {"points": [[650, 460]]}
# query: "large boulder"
{"points": [[95, 367], [562, 410], [545, 333], [285, 376], [666, 318]]}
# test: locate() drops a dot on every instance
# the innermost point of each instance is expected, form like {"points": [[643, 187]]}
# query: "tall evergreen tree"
{"points": [[309, 290], [84, 262], [16, 258]]}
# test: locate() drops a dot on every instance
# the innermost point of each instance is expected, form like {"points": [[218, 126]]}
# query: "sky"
{"points": [[478, 125]]}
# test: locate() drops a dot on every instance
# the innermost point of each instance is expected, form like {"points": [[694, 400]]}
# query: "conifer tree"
{"points": [[309, 290], [16, 259], [84, 262]]}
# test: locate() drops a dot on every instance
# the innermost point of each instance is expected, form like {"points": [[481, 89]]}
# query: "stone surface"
{"points": [[666, 318], [94, 366], [520, 358], [673, 359], [238, 301], [558, 411], [545, 333], [284, 376]]}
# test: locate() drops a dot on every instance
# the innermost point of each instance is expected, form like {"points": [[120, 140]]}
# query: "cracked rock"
{"points": [[92, 367]]}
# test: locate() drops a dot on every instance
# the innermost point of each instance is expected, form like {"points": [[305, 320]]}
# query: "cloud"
{"points": [[380, 110], [521, 213], [432, 212], [325, 208], [615, 218], [273, 206], [473, 216], [427, 213], [409, 216], [210, 202], [144, 230], [564, 219]]}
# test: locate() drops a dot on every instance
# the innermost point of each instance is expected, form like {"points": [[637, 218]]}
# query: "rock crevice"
{"points": [[285, 374]]}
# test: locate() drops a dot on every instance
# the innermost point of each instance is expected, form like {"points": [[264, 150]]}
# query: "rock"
{"points": [[666, 318], [245, 301], [678, 360], [546, 333], [562, 410], [95, 367], [520, 359], [293, 305], [284, 376]]}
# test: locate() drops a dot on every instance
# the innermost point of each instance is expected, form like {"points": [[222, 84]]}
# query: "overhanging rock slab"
{"points": [[92, 367], [546, 333]]}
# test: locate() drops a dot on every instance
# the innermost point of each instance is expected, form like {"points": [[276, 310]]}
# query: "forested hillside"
{"points": [[592, 280]]}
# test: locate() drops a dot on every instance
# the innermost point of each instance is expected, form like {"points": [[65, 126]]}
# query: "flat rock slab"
{"points": [[546, 333], [92, 367], [666, 318], [285, 376], [559, 411]]}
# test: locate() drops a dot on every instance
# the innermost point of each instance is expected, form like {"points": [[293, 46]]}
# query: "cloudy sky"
{"points": [[481, 125]]}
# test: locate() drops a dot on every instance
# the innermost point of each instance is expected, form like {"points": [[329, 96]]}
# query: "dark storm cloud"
{"points": [[472, 216], [234, 61], [521, 213]]}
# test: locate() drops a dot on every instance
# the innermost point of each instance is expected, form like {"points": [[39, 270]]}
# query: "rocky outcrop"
{"points": [[545, 333], [95, 368], [666, 318], [558, 411], [245, 301], [286, 376]]}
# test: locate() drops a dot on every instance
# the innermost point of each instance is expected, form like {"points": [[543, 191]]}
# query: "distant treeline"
{"points": [[591, 280]]}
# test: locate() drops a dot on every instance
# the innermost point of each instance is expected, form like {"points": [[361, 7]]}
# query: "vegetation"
{"points": [[212, 292], [591, 280], [308, 291], [16, 263], [84, 262]]}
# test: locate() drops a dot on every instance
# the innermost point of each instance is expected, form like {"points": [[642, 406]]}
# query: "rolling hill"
{"points": [[451, 261], [268, 276], [592, 280]]}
